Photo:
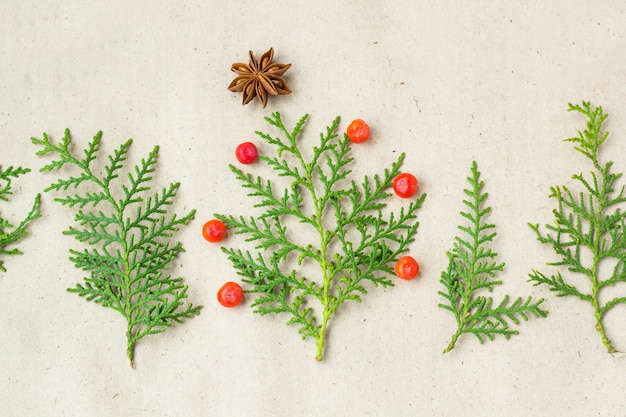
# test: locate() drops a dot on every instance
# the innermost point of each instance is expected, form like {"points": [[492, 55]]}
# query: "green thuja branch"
{"points": [[10, 234], [354, 241], [471, 270], [589, 228], [128, 231]]}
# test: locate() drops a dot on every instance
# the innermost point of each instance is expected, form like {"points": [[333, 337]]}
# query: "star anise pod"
{"points": [[260, 78]]}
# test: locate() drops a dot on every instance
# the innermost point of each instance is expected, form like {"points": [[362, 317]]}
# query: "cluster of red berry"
{"points": [[230, 294], [404, 185]]}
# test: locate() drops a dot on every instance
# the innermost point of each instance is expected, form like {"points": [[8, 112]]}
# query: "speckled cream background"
{"points": [[447, 82]]}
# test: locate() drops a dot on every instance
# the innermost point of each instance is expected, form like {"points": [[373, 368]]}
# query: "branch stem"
{"points": [[595, 280], [452, 343]]}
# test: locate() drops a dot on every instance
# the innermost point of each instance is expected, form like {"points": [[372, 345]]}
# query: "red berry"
{"points": [[214, 230], [230, 294], [405, 185], [246, 153], [407, 268], [358, 131]]}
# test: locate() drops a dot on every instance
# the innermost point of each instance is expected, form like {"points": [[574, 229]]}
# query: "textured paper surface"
{"points": [[446, 82]]}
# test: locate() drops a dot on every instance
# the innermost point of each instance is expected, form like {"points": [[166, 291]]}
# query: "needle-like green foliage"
{"points": [[471, 270], [128, 231], [10, 234], [589, 228], [354, 241]]}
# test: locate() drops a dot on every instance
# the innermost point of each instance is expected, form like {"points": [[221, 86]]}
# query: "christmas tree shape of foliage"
{"points": [[354, 241], [10, 234], [588, 229], [471, 269], [128, 231]]}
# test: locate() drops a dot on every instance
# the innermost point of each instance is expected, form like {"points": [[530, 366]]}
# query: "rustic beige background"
{"points": [[444, 81]]}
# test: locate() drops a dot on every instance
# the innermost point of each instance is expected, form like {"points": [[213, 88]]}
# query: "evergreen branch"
{"points": [[154, 224], [6, 177], [102, 261], [610, 304], [592, 223], [138, 180], [270, 234], [116, 162], [558, 285], [92, 149], [288, 204], [345, 262], [61, 149], [9, 234], [92, 235], [100, 291], [589, 140], [161, 314], [151, 260], [81, 201], [471, 268], [267, 277], [129, 237], [488, 321], [280, 293]]}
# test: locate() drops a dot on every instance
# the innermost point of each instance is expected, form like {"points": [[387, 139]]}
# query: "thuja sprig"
{"points": [[128, 230], [588, 228], [9, 233], [354, 241], [471, 270]]}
